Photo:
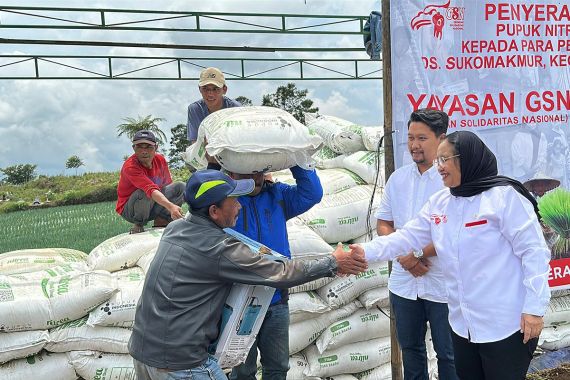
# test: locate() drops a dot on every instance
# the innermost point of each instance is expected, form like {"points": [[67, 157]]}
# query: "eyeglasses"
{"points": [[440, 161], [144, 146], [213, 89]]}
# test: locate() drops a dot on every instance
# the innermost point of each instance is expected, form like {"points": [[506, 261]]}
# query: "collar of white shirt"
{"points": [[431, 172]]}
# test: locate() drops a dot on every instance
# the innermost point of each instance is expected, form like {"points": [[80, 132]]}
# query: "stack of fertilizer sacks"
{"points": [[556, 333], [340, 328], [65, 314]]}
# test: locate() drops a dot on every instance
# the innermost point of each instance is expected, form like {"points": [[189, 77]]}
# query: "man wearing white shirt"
{"points": [[486, 231], [417, 287]]}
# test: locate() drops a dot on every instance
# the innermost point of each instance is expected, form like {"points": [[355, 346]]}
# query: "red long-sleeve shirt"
{"points": [[135, 176]]}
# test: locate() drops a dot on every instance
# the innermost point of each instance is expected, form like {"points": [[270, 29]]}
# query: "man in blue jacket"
{"points": [[263, 217]]}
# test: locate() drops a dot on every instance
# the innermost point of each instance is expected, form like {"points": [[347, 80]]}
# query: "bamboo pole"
{"points": [[396, 354]]}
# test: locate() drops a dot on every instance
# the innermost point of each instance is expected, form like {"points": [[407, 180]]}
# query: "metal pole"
{"points": [[389, 161]]}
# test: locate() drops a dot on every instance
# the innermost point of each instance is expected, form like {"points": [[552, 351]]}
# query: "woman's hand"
{"points": [[531, 326]]}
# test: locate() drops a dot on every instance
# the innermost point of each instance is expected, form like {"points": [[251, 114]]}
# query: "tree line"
{"points": [[288, 98]]}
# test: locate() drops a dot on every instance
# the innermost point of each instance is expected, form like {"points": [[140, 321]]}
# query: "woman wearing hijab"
{"points": [[486, 233]]}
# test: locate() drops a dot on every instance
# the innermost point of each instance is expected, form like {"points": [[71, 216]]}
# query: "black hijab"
{"points": [[479, 168]]}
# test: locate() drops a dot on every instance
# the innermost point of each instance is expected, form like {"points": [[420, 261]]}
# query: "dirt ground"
{"points": [[559, 373]]}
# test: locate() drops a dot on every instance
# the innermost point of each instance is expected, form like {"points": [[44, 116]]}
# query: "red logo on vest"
{"points": [[437, 219]]}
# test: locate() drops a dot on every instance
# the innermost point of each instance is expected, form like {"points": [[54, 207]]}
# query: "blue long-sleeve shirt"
{"points": [[263, 217]]}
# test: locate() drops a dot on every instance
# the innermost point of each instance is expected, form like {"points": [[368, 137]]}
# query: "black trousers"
{"points": [[507, 359]]}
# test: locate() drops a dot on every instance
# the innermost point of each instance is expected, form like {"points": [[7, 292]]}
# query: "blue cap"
{"points": [[206, 187]]}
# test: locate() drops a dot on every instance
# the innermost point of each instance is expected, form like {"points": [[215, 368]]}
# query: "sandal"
{"points": [[136, 229]]}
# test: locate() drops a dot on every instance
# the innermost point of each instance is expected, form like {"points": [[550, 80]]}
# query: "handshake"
{"points": [[350, 262]]}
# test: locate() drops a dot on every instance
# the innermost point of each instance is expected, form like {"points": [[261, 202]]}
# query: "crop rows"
{"points": [[80, 227]]}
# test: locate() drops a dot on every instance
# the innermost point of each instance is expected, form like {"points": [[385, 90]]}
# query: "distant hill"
{"points": [[60, 190]]}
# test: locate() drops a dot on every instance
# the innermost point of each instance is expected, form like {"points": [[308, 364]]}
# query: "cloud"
{"points": [[44, 122], [350, 105]]}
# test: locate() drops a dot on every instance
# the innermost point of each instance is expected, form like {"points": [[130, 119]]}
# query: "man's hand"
{"points": [[357, 248], [349, 262], [415, 266], [531, 326], [209, 158], [175, 212]]}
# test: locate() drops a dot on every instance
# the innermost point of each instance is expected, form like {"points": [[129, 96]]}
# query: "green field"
{"points": [[80, 227]]}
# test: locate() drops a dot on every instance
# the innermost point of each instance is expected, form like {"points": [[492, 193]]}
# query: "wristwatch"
{"points": [[419, 254]]}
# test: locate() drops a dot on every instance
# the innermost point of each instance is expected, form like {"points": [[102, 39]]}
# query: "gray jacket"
{"points": [[187, 284]]}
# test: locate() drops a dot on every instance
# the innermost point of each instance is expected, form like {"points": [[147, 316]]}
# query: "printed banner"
{"points": [[499, 69]]}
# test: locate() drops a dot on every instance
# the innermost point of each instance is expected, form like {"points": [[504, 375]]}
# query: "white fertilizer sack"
{"points": [[352, 358], [253, 139], [360, 326], [49, 302], [78, 336], [297, 364], [145, 261], [384, 372], [336, 180], [32, 260], [102, 366], [306, 332], [345, 289], [364, 164], [44, 366], [559, 293], [119, 310], [306, 305], [555, 337], [57, 271], [20, 344], [312, 285], [371, 137], [334, 162], [123, 251], [431, 354], [377, 297], [304, 242], [341, 136], [342, 216], [558, 312]]}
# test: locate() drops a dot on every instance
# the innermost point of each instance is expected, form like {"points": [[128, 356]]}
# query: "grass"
{"points": [[60, 190], [64, 190], [80, 227], [84, 217]]}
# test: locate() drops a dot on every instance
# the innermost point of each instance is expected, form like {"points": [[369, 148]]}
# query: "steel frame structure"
{"points": [[176, 65], [197, 17], [109, 66]]}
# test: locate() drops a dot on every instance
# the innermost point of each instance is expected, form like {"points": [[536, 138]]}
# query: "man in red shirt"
{"points": [[145, 188]]}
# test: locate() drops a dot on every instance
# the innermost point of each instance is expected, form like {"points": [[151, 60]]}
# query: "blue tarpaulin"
{"points": [[373, 35]]}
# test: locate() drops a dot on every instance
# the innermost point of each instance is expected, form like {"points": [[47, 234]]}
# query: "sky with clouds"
{"points": [[44, 122]]}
